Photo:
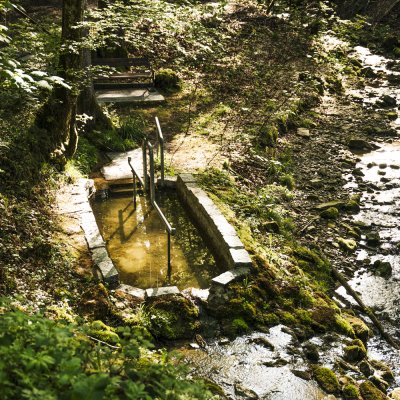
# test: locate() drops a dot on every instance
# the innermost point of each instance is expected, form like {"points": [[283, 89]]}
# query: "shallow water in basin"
{"points": [[137, 243]]}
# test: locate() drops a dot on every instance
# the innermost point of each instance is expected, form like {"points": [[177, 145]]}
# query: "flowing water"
{"points": [[380, 211], [258, 365], [137, 243]]}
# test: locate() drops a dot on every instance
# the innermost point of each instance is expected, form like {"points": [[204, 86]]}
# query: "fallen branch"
{"points": [[311, 221], [365, 309], [105, 343]]}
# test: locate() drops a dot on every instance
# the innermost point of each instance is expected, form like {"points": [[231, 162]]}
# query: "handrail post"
{"points": [[169, 257], [134, 183], [170, 233], [144, 151], [152, 183], [160, 140], [134, 191]]}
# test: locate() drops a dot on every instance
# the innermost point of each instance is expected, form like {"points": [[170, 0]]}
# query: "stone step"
{"points": [[132, 95]]}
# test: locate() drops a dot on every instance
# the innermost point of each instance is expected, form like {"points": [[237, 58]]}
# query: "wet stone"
{"points": [[161, 291], [387, 101], [240, 258], [99, 255], [130, 292], [373, 239], [303, 132], [305, 375], [108, 272], [365, 368], [231, 276], [187, 178]]}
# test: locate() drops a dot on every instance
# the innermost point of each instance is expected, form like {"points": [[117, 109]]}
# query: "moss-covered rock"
{"points": [[287, 318], [383, 268], [172, 317], [344, 326], [327, 379], [361, 330], [268, 135], [270, 319], [95, 302], [351, 392], [380, 383], [383, 370], [373, 239], [167, 79], [103, 332], [352, 206], [330, 213], [365, 368], [239, 325], [370, 392], [355, 351], [311, 352], [348, 245]]}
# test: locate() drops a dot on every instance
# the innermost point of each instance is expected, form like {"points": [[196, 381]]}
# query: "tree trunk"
{"points": [[87, 103], [56, 121]]}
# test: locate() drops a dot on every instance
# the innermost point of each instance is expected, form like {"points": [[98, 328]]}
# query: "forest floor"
{"points": [[303, 159]]}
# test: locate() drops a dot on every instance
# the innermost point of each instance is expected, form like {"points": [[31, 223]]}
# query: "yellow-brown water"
{"points": [[137, 243]]}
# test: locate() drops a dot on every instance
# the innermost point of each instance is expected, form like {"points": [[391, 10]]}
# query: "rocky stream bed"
{"points": [[348, 164]]}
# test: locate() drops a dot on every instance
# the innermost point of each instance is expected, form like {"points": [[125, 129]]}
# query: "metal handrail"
{"points": [[160, 143], [134, 176], [170, 230]]}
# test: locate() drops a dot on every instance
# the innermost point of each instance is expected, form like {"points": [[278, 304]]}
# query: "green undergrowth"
{"points": [[41, 358], [262, 210], [294, 292], [362, 31]]}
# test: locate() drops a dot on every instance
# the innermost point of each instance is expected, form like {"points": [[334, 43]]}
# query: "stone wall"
{"points": [[219, 233]]}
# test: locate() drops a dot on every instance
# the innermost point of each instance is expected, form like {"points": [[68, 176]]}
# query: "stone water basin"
{"points": [[137, 243]]}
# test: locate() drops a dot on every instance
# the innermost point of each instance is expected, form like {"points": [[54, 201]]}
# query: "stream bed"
{"points": [[377, 279], [271, 365]]}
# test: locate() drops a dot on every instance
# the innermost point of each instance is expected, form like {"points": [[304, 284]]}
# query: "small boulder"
{"points": [[395, 395], [360, 145], [383, 370], [370, 392], [373, 239], [380, 383], [349, 245], [361, 330], [365, 368], [368, 72], [327, 379], [330, 213], [303, 132], [311, 352], [351, 392], [355, 351], [383, 268], [387, 101]]}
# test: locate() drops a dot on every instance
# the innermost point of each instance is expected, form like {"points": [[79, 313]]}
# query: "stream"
{"points": [[380, 211], [271, 365]]}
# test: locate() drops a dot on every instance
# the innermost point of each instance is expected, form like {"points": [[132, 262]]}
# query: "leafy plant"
{"points": [[44, 359]]}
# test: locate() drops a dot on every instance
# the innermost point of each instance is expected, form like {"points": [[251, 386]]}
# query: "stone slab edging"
{"points": [[103, 264], [220, 234]]}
